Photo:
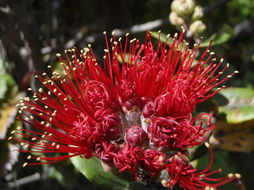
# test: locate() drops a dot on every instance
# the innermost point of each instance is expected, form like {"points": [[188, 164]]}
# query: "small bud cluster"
{"points": [[187, 14]]}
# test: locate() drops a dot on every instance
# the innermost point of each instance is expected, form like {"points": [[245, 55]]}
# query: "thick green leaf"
{"points": [[3, 87], [217, 39], [207, 106], [125, 59], [63, 172], [11, 85], [221, 160], [197, 152], [8, 86], [239, 106], [235, 131], [93, 171]]}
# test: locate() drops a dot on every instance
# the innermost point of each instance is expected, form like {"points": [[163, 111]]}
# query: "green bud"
{"points": [[198, 13], [174, 19], [197, 27], [183, 7]]}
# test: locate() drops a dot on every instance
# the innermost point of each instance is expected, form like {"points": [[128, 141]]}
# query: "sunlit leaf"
{"points": [[235, 131], [217, 39], [8, 87], [12, 87], [93, 171], [124, 59], [3, 87], [239, 106]]}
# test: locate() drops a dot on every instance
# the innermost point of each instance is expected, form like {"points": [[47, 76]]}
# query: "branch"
{"points": [[118, 32], [142, 27], [24, 180]]}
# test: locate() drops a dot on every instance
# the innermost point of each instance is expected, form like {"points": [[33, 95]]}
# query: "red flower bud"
{"points": [[136, 136]]}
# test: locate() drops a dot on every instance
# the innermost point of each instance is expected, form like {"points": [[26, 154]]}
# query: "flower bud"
{"points": [[183, 7], [174, 19], [136, 136], [197, 27], [198, 13]]}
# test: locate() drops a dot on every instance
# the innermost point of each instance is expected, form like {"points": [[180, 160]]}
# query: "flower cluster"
{"points": [[133, 113]]}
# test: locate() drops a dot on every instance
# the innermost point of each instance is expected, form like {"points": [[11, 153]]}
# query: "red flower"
{"points": [[105, 150], [134, 114], [181, 172], [154, 161], [128, 159], [178, 133]]}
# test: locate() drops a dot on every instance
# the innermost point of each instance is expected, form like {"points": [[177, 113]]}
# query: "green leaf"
{"points": [[221, 160], [239, 106], [11, 85], [8, 87], [235, 131], [93, 171], [63, 172], [3, 87], [125, 59], [217, 39], [197, 152], [207, 106]]}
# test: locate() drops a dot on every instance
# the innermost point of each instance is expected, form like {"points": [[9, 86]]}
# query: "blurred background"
{"points": [[33, 31]]}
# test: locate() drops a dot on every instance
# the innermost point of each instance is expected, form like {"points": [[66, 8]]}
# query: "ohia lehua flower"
{"points": [[134, 112]]}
